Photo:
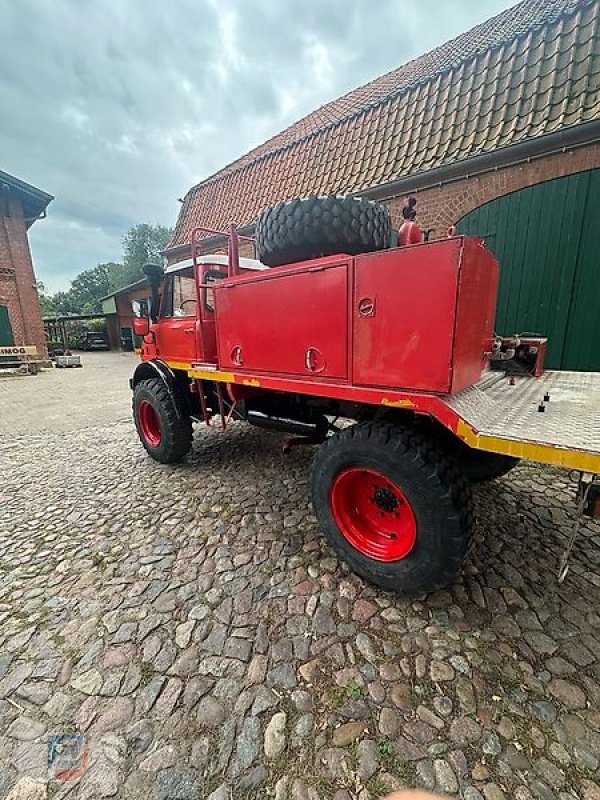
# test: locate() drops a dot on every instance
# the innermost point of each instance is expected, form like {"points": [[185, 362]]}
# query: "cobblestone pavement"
{"points": [[64, 400], [191, 621]]}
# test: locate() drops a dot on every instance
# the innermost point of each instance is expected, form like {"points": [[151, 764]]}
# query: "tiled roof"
{"points": [[34, 200], [530, 71]]}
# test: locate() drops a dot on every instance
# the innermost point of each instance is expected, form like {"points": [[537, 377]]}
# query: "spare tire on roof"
{"points": [[310, 227]]}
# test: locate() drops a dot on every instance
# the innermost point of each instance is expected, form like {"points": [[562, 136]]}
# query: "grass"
{"points": [[147, 672], [211, 782], [524, 736], [385, 747], [353, 753], [335, 696], [421, 694], [297, 766], [403, 770], [99, 560], [354, 691], [73, 652], [377, 788], [325, 786]]}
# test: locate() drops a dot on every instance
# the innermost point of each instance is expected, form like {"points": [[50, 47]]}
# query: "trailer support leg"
{"points": [[586, 481]]}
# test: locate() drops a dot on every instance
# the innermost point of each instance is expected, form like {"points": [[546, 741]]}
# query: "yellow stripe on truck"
{"points": [[531, 451], [202, 374]]}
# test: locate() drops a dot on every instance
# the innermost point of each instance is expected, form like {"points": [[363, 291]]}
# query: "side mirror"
{"points": [[141, 326]]}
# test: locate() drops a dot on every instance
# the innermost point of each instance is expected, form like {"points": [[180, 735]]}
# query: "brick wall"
{"points": [[441, 206], [18, 288]]}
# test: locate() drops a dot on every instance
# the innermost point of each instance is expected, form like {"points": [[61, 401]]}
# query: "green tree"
{"points": [[46, 300], [142, 243], [62, 303], [92, 284]]}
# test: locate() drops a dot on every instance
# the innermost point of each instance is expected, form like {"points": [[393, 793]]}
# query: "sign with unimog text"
{"points": [[18, 350]]}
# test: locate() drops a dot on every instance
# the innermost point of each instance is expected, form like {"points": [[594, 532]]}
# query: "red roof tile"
{"points": [[532, 70]]}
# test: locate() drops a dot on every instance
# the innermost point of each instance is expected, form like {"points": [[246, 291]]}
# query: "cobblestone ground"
{"points": [[191, 621]]}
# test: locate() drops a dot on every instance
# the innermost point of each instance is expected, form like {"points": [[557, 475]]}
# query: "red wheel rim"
{"points": [[149, 423], [373, 514]]}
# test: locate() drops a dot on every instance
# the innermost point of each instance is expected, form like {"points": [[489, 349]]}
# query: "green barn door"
{"points": [[547, 240], [6, 334]]}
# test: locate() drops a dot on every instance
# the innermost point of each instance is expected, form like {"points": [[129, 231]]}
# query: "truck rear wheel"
{"points": [[310, 227], [393, 506], [166, 436], [479, 466]]}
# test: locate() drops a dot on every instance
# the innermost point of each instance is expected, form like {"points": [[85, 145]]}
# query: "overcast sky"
{"points": [[117, 107]]}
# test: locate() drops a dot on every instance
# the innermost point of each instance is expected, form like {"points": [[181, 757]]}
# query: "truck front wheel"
{"points": [[166, 435], [393, 506]]}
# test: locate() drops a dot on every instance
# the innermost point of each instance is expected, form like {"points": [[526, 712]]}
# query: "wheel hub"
{"points": [[149, 423], [373, 514], [385, 499]]}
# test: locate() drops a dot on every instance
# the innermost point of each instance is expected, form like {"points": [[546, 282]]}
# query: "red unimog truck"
{"points": [[331, 323]]}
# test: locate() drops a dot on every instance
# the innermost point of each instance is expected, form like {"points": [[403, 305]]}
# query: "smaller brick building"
{"points": [[119, 315], [20, 316]]}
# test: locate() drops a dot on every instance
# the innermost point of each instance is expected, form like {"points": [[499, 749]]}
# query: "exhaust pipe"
{"points": [[316, 430], [154, 274]]}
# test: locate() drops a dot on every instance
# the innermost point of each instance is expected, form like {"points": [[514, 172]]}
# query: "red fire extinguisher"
{"points": [[410, 232]]}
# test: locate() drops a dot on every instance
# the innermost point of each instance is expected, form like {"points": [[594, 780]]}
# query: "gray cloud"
{"points": [[117, 107]]}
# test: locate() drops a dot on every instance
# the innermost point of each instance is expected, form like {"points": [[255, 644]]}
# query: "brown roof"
{"points": [[530, 71], [34, 200]]}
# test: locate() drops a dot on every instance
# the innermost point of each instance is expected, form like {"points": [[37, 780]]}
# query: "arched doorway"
{"points": [[547, 240]]}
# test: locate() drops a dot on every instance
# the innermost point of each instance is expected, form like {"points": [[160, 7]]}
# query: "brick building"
{"points": [[20, 316], [512, 104], [118, 313]]}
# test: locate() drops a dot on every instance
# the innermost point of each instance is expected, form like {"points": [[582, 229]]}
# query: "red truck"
{"points": [[384, 357]]}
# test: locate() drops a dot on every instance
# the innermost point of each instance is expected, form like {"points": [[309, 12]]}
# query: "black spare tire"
{"points": [[310, 227]]}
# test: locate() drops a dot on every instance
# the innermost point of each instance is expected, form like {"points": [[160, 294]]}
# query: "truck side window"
{"points": [[211, 276]]}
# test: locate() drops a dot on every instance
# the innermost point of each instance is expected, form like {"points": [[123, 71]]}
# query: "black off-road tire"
{"points": [[310, 227], [175, 430], [440, 498], [479, 466], [476, 465]]}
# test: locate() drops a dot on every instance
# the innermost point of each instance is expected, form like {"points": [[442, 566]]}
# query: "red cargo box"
{"points": [[416, 317], [423, 315], [286, 321]]}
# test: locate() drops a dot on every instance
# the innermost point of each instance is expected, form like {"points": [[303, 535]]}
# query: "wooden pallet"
{"points": [[24, 358]]}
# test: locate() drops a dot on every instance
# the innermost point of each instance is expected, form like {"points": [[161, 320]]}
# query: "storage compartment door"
{"points": [[404, 306], [292, 324]]}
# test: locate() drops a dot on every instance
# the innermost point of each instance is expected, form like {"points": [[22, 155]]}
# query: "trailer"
{"points": [[384, 358]]}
